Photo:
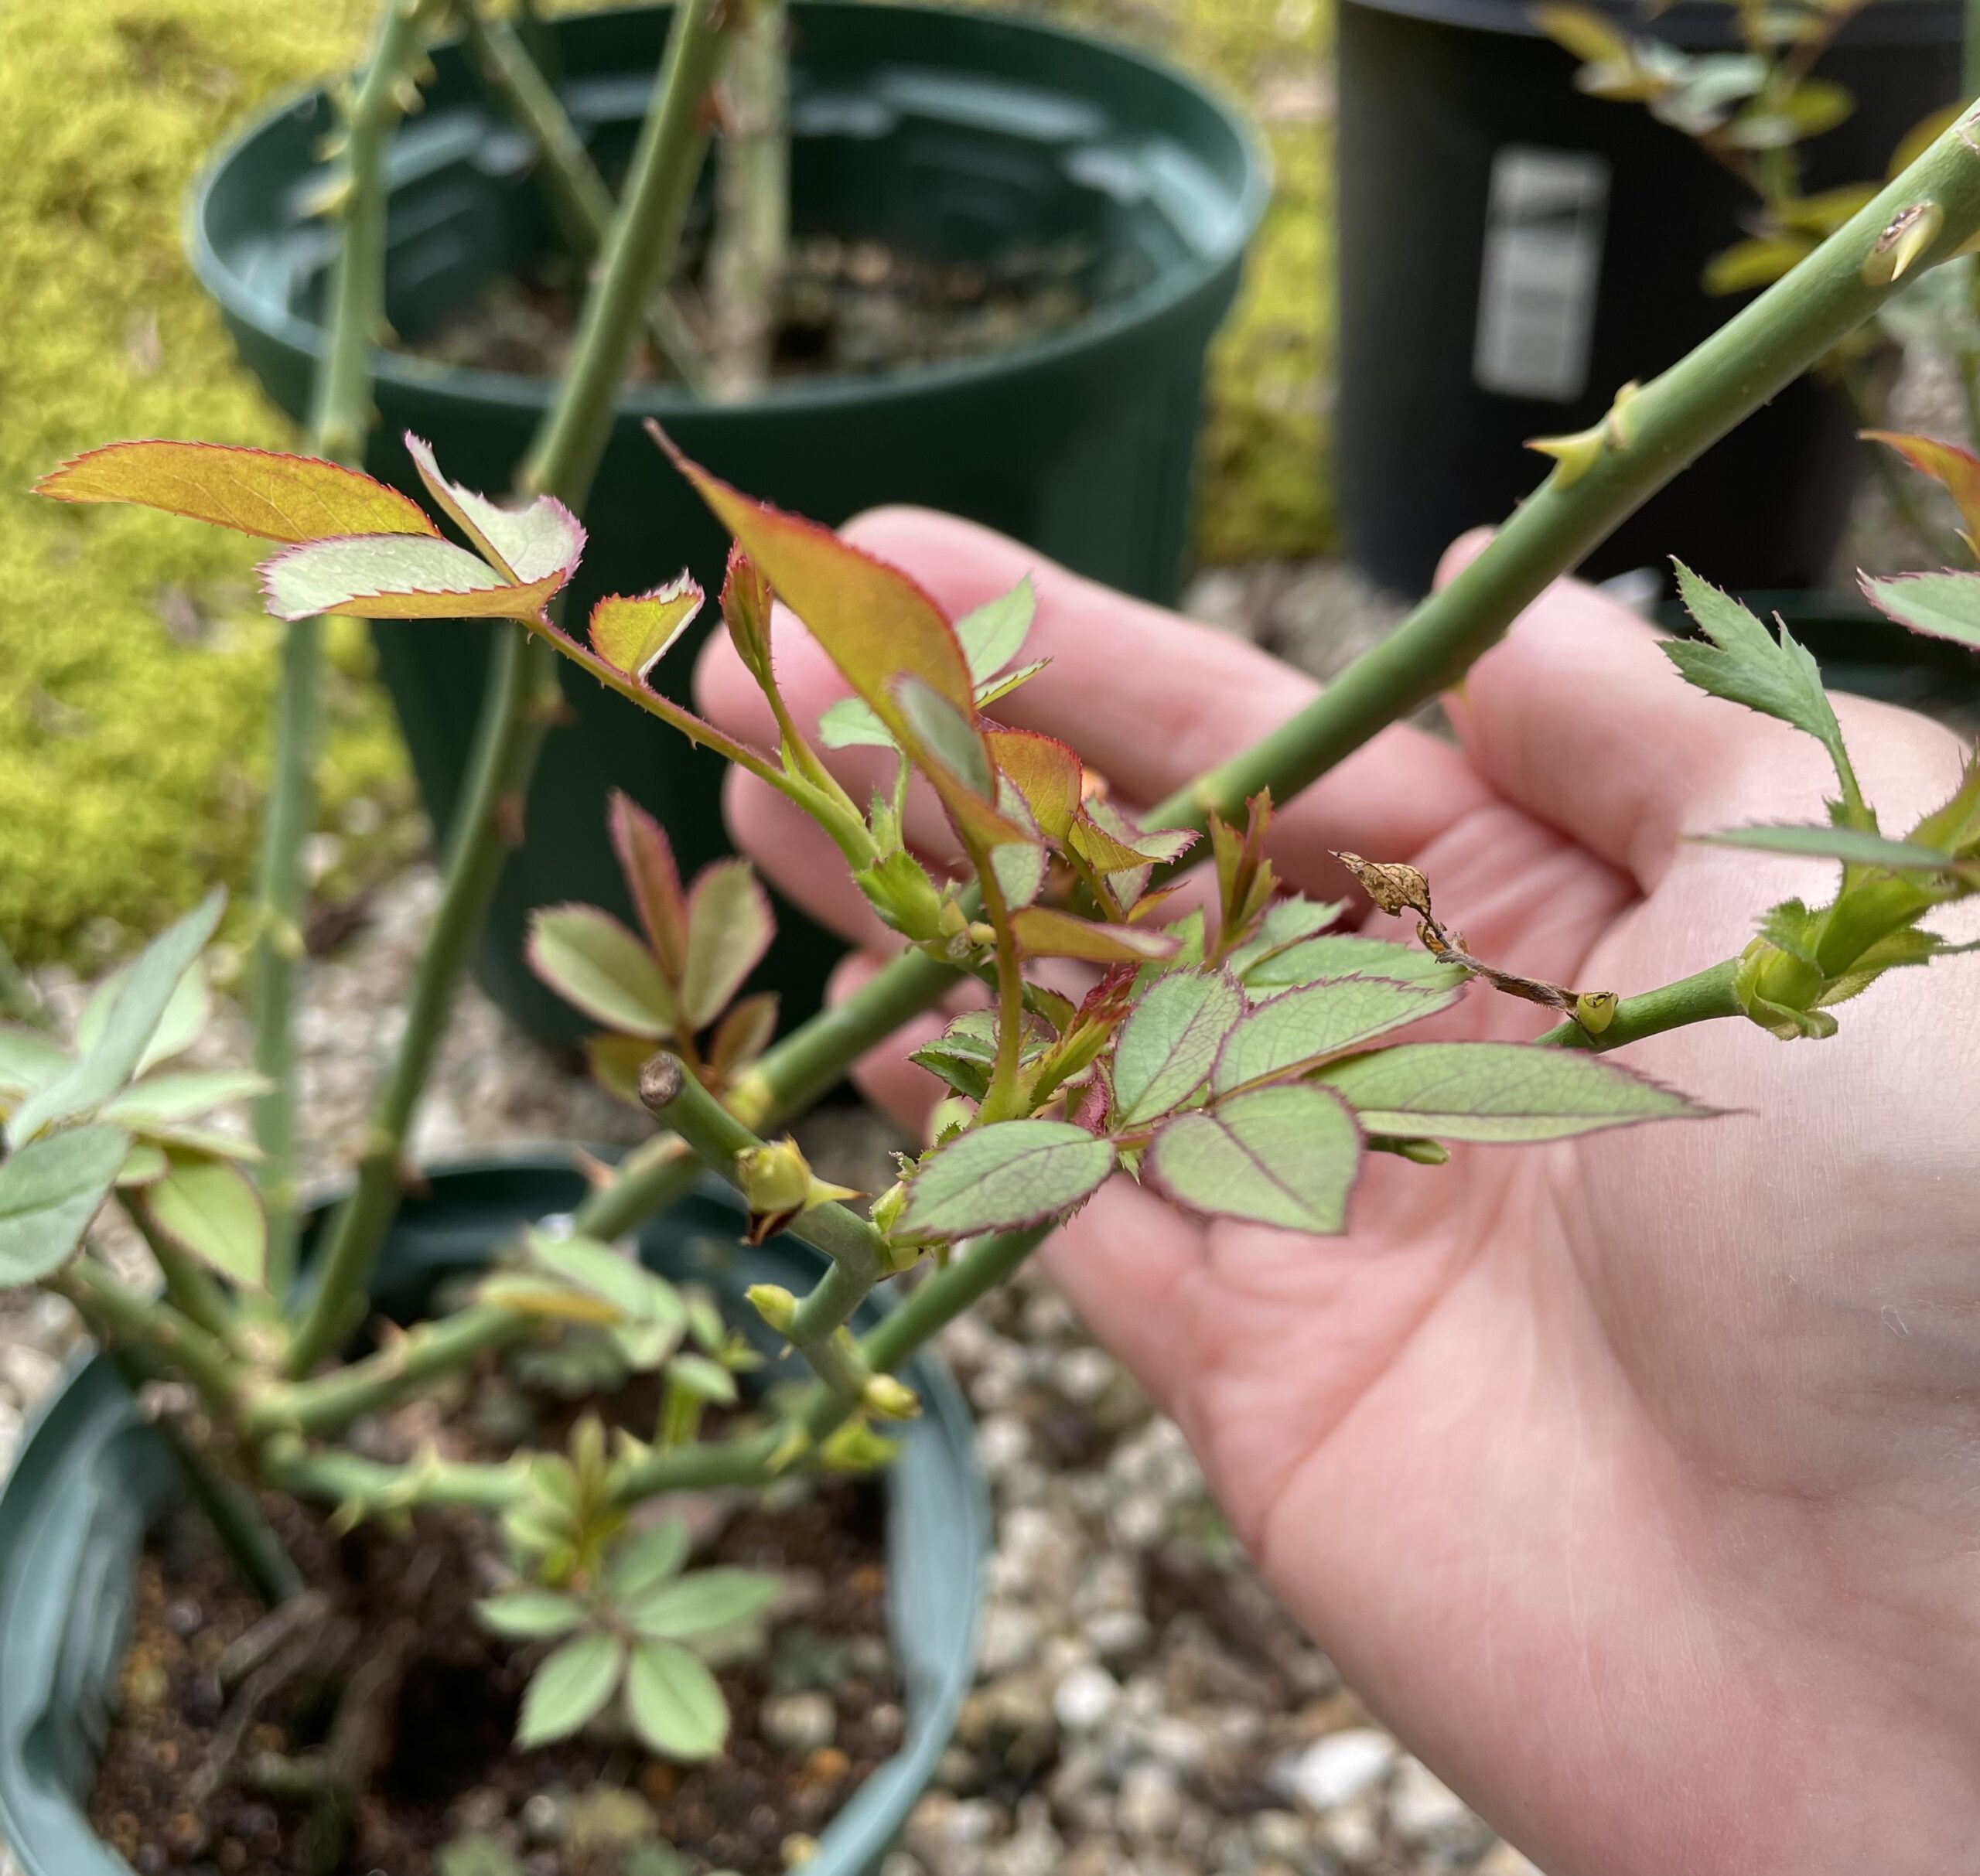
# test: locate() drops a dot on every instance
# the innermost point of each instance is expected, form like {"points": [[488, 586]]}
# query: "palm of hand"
{"points": [[1629, 1478]]}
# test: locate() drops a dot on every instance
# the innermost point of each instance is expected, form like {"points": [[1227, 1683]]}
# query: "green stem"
{"points": [[1701, 997], [331, 1474], [151, 1329], [640, 250], [1672, 420], [578, 197], [522, 685], [340, 420], [746, 256], [516, 713], [189, 1287], [1970, 62], [332, 1401], [654, 1176]]}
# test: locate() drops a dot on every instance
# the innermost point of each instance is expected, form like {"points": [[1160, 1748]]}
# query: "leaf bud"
{"points": [[774, 1303], [777, 1186], [889, 1399], [1595, 1010], [1425, 1152], [746, 610]]}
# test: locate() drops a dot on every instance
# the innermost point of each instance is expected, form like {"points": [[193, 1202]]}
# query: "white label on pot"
{"points": [[1543, 260]]}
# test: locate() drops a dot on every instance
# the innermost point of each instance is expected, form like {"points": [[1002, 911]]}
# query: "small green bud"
{"points": [[774, 1303], [1595, 1010], [889, 1399], [885, 1210], [775, 1179], [899, 889], [1425, 1152]]}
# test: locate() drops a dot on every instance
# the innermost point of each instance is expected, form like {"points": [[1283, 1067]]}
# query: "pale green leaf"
{"points": [[1169, 1041], [730, 926], [624, 1283], [706, 1380], [647, 1558], [1342, 955], [49, 1191], [945, 734], [1942, 605], [160, 1098], [850, 723], [995, 633], [632, 633], [700, 1603], [129, 1025], [1323, 1019], [537, 542], [1852, 844], [531, 1614], [29, 1060], [391, 576], [1020, 867], [674, 1703], [1286, 923], [188, 1011], [210, 1209], [570, 1688], [1016, 677], [1745, 663], [145, 1162], [1285, 1156], [1498, 1092], [994, 1179], [964, 1053], [591, 960]]}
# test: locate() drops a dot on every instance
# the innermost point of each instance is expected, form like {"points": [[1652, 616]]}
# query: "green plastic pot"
{"points": [[960, 134], [90, 1477]]}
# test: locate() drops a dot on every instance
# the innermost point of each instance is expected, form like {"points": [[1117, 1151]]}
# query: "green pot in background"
{"points": [[955, 135], [90, 1476]]}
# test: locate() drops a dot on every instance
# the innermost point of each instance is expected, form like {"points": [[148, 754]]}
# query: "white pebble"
{"points": [[1332, 1770], [1084, 1698], [1422, 1807]]}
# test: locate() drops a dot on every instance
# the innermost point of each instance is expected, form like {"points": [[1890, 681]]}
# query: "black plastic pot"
{"points": [[958, 134], [89, 1477], [1511, 251]]}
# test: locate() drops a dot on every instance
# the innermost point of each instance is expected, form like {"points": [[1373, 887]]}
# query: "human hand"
{"points": [[1630, 1478]]}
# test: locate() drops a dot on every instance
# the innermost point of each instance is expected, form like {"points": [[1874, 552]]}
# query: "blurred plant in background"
{"points": [[107, 109]]}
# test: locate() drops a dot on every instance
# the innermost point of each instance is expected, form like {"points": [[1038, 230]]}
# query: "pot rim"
{"points": [[1172, 288], [1694, 25]]}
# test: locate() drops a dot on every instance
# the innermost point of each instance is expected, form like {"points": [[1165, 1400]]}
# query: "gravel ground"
{"points": [[1143, 1707]]}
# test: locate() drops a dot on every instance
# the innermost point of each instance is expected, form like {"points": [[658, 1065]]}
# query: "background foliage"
{"points": [[133, 742]]}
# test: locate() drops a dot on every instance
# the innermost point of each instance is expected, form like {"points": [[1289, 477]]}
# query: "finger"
{"points": [[1150, 700], [1579, 718], [900, 1089]]}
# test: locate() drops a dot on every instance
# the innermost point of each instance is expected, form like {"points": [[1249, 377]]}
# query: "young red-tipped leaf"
{"points": [[632, 634], [395, 576], [1958, 470], [744, 1033], [542, 541], [646, 858], [252, 491], [1043, 931], [1045, 771], [730, 926], [874, 623], [1942, 605]]}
